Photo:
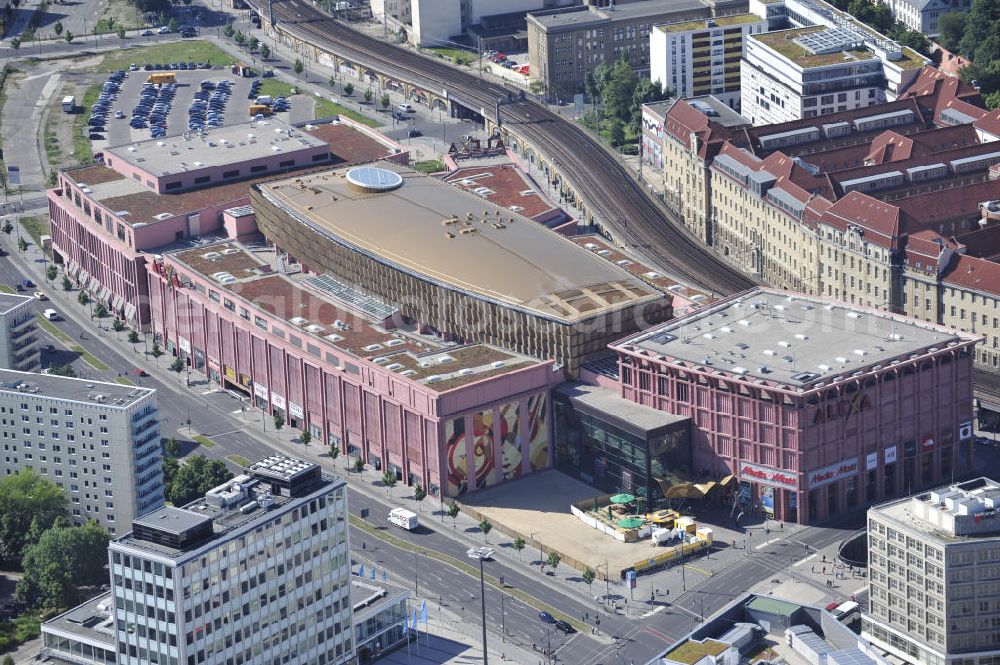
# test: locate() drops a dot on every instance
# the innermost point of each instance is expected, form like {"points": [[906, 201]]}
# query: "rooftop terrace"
{"points": [[343, 320], [504, 185], [718, 22], [787, 43], [962, 511]]}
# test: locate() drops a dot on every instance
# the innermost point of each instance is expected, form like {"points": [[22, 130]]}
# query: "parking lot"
{"points": [[188, 83]]}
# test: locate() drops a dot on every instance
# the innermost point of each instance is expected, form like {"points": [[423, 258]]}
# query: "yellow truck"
{"points": [[261, 109]]}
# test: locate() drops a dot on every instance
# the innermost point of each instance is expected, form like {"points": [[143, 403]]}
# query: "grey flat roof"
{"points": [[232, 144], [11, 301], [637, 416], [578, 17], [96, 393], [789, 340], [85, 621], [172, 520], [443, 234], [724, 115]]}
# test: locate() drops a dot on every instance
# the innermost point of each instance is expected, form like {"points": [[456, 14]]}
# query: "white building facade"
{"points": [[257, 572], [699, 58], [934, 576], [18, 334], [100, 442], [807, 72]]}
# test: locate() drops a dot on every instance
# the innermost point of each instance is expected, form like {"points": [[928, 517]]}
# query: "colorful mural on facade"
{"points": [[511, 456], [482, 446], [455, 456], [538, 432]]}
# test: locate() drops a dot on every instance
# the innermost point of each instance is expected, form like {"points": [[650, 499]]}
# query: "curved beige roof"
{"points": [[444, 234]]}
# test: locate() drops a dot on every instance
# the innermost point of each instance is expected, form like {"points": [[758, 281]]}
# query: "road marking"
{"points": [[207, 392], [237, 412], [763, 545], [653, 631], [802, 561], [652, 612]]}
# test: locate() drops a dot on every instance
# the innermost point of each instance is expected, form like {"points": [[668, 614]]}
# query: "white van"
{"points": [[264, 100], [404, 107], [51, 315], [846, 612], [404, 518]]}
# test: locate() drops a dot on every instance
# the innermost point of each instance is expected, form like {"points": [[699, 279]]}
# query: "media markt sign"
{"points": [[764, 475], [833, 473]]}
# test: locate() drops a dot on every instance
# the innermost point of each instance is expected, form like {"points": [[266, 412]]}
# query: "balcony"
{"points": [[20, 330]]}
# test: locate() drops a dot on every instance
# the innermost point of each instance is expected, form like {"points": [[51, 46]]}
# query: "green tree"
{"points": [[69, 37], [100, 310], [24, 497], [253, 44], [241, 39], [980, 24], [58, 27], [384, 100], [485, 526], [589, 576], [173, 25], [8, 660], [170, 467], [993, 100], [553, 560], [389, 480], [63, 370], [195, 477], [62, 561], [121, 33], [177, 365], [453, 511], [615, 133], [156, 351], [305, 437], [419, 494], [83, 298], [368, 96], [265, 51], [518, 545], [15, 44], [172, 448], [334, 451], [298, 66], [349, 89], [359, 465], [952, 28], [8, 227], [67, 284], [279, 421], [22, 244], [229, 30], [51, 272], [117, 325], [915, 40]]}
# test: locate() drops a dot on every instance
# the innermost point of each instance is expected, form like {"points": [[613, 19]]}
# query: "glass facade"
{"points": [[613, 456]]}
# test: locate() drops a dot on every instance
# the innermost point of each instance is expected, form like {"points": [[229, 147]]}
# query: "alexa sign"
{"points": [[764, 475], [833, 473]]}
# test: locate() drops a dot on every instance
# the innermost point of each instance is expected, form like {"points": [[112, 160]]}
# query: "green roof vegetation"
{"points": [[783, 43], [720, 22], [690, 652], [910, 60], [773, 606]]}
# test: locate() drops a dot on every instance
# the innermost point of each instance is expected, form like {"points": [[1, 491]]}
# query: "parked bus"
{"points": [[162, 77]]}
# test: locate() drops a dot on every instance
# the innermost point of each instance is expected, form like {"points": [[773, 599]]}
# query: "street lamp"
{"points": [[481, 553]]}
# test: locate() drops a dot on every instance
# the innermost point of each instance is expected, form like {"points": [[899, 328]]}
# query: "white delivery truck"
{"points": [[404, 518], [68, 104]]}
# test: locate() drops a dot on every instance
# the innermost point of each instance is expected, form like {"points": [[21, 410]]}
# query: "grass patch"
{"points": [[325, 108], [90, 359], [82, 150], [36, 228], [204, 440], [51, 329], [456, 55], [238, 460], [6, 289], [193, 50], [468, 570], [275, 88], [122, 380], [20, 630], [429, 166]]}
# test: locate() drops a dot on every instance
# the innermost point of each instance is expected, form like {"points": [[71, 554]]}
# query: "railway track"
{"points": [[611, 193]]}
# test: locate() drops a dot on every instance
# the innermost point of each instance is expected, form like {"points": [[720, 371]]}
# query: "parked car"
{"points": [[405, 107], [546, 617], [146, 33], [565, 627], [41, 296], [414, 133], [164, 30]]}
